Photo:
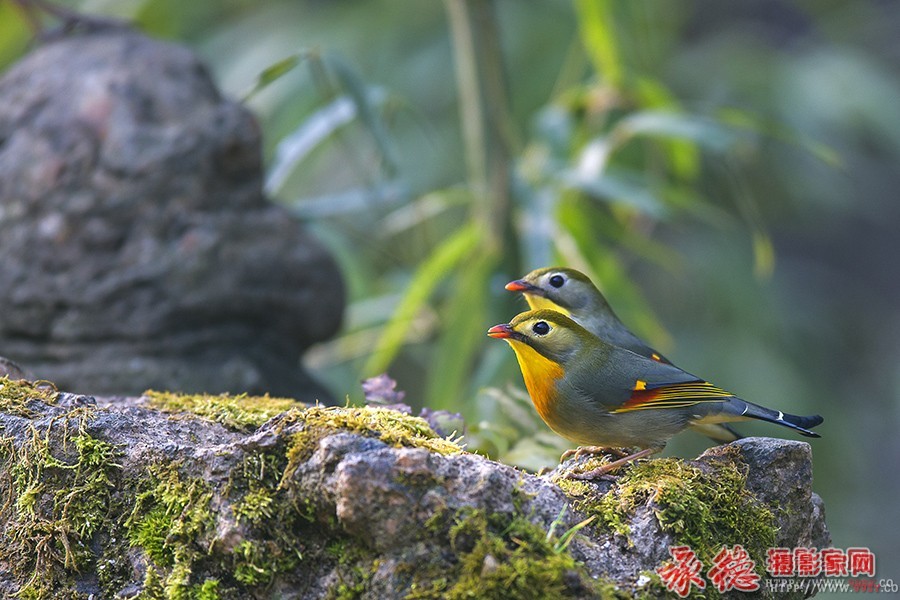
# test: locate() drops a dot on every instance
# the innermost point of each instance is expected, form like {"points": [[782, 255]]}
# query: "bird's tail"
{"points": [[800, 424]]}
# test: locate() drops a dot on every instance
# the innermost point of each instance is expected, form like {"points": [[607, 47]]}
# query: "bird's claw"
{"points": [[603, 470], [582, 450], [598, 474]]}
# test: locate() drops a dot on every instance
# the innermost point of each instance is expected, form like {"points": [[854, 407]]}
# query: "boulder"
{"points": [[138, 248], [171, 496]]}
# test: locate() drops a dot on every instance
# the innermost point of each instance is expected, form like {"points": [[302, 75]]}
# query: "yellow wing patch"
{"points": [[676, 395]]}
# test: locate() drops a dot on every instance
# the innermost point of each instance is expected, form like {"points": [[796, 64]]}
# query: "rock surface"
{"points": [[228, 497], [138, 249]]}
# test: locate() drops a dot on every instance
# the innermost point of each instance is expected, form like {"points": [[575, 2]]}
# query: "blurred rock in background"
{"points": [[138, 249]]}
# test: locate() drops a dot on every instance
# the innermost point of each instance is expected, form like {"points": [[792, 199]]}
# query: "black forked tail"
{"points": [[800, 424]]}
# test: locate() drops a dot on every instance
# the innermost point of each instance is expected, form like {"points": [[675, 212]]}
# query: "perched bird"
{"points": [[573, 294], [593, 393]]}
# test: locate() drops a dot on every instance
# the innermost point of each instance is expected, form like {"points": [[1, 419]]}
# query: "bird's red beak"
{"points": [[519, 285], [501, 332]]}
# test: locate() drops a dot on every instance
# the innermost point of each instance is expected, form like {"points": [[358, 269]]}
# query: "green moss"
{"points": [[16, 394], [209, 590], [153, 586], [176, 587], [353, 580], [169, 514], [390, 426], [258, 562], [258, 479], [503, 556], [57, 494], [255, 506], [703, 507], [171, 519], [275, 517], [239, 412], [354, 566], [167, 520]]}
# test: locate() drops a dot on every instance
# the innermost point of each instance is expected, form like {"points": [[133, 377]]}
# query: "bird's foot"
{"points": [[604, 470], [583, 450]]}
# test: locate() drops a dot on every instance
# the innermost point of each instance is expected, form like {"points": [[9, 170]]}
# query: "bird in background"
{"points": [[596, 394], [573, 294]]}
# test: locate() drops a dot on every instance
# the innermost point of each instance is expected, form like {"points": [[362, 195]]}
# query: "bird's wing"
{"points": [[672, 395], [649, 384]]}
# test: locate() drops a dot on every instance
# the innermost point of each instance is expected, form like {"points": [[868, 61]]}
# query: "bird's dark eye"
{"points": [[557, 281], [541, 328]]}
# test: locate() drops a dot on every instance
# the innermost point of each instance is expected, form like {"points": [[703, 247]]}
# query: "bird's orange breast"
{"points": [[540, 375]]}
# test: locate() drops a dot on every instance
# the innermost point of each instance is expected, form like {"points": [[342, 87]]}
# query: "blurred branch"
{"points": [[484, 112]]}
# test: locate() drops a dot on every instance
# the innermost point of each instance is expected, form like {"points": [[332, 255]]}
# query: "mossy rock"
{"points": [[219, 497]]}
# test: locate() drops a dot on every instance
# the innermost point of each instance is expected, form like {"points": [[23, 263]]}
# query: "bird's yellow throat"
{"points": [[540, 375], [537, 302]]}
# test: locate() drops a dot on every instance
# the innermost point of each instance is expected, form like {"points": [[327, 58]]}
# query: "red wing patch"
{"points": [[675, 395]]}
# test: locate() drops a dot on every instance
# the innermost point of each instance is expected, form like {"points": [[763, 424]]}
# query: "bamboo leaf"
{"points": [[366, 107], [537, 225], [682, 155], [625, 189], [740, 119], [381, 195], [314, 130], [763, 255], [580, 210], [598, 35], [665, 124], [431, 272], [421, 210], [273, 73], [463, 323]]}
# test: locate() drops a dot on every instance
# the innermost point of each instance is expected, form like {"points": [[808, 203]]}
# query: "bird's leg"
{"points": [[582, 450], [603, 470]]}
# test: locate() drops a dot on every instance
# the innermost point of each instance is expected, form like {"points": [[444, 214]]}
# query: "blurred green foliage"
{"points": [[725, 171]]}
